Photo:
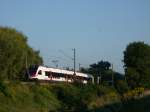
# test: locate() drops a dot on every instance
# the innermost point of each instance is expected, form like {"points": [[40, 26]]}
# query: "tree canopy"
{"points": [[137, 64], [100, 67], [15, 53]]}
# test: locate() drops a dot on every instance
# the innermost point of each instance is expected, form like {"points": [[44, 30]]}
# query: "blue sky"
{"points": [[98, 29]]}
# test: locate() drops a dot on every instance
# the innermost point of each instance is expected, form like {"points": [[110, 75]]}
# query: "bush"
{"points": [[121, 86], [133, 94], [30, 98], [68, 95], [14, 50], [4, 89]]}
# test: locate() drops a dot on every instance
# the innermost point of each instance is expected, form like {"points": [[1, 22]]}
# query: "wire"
{"points": [[61, 51]]}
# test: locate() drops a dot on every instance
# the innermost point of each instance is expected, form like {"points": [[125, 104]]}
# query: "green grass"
{"points": [[29, 98], [17, 97]]}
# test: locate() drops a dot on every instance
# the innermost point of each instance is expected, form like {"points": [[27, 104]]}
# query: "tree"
{"points": [[14, 52], [100, 68], [137, 64]]}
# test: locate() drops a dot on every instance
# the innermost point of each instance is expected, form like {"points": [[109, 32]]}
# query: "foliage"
{"points": [[14, 52], [69, 98], [84, 98], [97, 68], [100, 67], [4, 89], [137, 64], [32, 98], [133, 94], [121, 86], [99, 97]]}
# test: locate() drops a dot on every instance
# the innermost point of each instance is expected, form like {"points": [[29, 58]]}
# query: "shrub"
{"points": [[133, 94], [4, 89], [121, 86]]}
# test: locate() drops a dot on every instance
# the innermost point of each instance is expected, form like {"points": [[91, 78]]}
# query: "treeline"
{"points": [[103, 70], [136, 66], [15, 54]]}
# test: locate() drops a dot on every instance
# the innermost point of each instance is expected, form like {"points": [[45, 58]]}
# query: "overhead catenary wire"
{"points": [[65, 54], [74, 58]]}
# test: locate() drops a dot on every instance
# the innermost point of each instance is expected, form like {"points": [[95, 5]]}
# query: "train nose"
{"points": [[33, 74]]}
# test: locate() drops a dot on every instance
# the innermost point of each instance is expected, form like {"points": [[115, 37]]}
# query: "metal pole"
{"points": [[98, 78], [74, 61], [93, 80], [26, 62], [79, 66], [27, 69], [112, 76]]}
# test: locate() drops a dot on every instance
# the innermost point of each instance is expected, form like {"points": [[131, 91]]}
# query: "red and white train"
{"points": [[43, 73]]}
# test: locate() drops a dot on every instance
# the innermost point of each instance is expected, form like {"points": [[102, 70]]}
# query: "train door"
{"points": [[41, 74]]}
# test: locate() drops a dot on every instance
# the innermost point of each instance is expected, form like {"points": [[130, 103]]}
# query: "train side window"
{"points": [[40, 72], [47, 73]]}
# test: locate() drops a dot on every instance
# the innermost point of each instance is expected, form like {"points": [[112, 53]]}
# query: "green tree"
{"points": [[99, 68], [14, 51], [137, 64], [102, 69]]}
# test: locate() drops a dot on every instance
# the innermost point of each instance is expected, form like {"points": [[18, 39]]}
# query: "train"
{"points": [[43, 73]]}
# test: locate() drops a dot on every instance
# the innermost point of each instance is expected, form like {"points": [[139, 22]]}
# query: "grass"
{"points": [[17, 97], [138, 105], [30, 98]]}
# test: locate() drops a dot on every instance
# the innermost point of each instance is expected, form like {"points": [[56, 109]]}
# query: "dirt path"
{"points": [[146, 92]]}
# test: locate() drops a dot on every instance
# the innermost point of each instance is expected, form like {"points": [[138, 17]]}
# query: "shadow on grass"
{"points": [[134, 105], [138, 105], [116, 107]]}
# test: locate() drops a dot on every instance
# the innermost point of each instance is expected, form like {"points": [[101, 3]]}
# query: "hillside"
{"points": [[18, 97]]}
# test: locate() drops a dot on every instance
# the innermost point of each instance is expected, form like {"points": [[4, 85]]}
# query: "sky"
{"points": [[98, 29]]}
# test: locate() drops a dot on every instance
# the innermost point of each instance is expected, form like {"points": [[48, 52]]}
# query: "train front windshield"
{"points": [[32, 70]]}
